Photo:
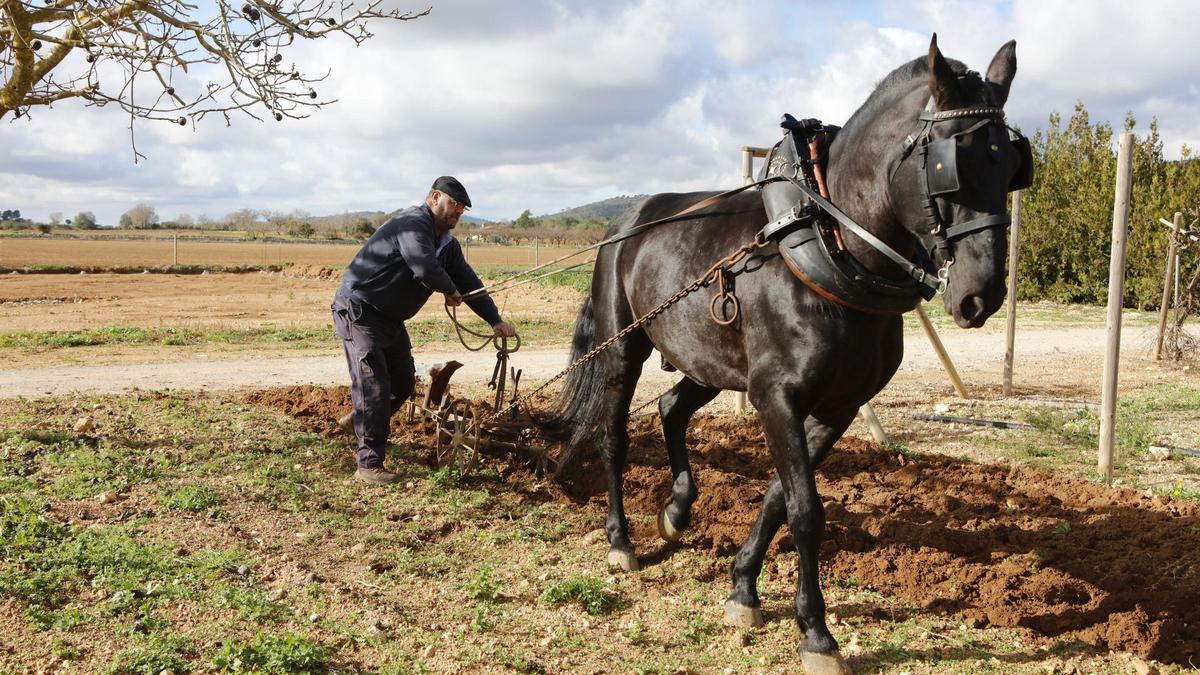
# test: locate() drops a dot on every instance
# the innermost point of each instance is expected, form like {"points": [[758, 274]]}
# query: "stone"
{"points": [[83, 425], [107, 497]]}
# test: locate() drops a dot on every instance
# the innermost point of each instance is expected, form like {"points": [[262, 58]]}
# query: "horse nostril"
{"points": [[972, 308]]}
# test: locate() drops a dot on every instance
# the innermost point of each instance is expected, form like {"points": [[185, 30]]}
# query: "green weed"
{"points": [[251, 604], [591, 592], [483, 587], [267, 653], [192, 498], [699, 630], [88, 472]]}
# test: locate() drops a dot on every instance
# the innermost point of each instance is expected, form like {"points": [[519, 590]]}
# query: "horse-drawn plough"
{"points": [[462, 428]]}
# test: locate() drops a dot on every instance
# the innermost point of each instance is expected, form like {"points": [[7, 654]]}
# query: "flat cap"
{"points": [[451, 186]]}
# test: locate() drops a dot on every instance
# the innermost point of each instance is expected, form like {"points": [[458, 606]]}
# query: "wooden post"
{"points": [[1116, 292], [175, 250], [1166, 296], [739, 397], [1010, 332], [940, 349], [536, 253], [872, 420]]}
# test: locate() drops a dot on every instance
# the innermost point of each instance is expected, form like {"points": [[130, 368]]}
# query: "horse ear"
{"points": [[943, 83], [1000, 74]]}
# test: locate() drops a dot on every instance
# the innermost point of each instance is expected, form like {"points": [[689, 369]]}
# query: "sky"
{"points": [[549, 104]]}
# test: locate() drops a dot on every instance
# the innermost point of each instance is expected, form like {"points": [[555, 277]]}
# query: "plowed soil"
{"points": [[985, 543]]}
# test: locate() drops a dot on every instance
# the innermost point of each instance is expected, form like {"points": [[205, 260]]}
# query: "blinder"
{"points": [[1023, 178], [941, 166], [941, 162]]}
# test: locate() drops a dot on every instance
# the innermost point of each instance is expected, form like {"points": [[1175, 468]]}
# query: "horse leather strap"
{"points": [[913, 271]]}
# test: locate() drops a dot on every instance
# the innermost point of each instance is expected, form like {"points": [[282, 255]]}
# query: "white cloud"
{"points": [[549, 104]]}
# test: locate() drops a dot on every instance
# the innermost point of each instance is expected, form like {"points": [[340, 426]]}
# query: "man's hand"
{"points": [[453, 299], [504, 329]]}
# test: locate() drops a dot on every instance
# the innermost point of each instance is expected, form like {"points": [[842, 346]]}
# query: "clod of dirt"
{"points": [[83, 425]]}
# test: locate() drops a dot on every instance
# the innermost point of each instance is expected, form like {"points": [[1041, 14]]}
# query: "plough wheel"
{"points": [[457, 436]]}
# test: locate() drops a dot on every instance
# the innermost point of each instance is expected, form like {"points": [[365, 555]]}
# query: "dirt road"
{"points": [[1076, 353]]}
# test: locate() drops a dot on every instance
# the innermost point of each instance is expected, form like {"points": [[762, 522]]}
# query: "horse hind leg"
{"points": [[624, 366], [676, 408]]}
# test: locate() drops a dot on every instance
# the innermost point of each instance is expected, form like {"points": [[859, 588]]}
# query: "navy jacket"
{"points": [[404, 262]]}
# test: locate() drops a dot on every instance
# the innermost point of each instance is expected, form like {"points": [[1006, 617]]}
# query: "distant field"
{"points": [[156, 252]]}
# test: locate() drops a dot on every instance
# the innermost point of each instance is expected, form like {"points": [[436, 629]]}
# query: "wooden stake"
{"points": [[872, 420], [941, 352], [174, 250], [1010, 333], [1165, 307], [1116, 293]]}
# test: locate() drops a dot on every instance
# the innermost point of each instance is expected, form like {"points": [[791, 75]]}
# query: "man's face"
{"points": [[446, 211]]}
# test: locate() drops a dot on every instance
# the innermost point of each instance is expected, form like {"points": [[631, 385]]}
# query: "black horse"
{"points": [[808, 356]]}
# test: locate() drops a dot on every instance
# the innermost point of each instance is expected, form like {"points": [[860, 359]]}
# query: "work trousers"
{"points": [[382, 373]]}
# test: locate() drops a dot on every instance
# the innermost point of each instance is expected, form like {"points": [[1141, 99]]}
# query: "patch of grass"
{"points": [[251, 604], [483, 586], [268, 653], [159, 654], [192, 498], [1073, 426], [89, 471], [1179, 491], [699, 630], [591, 592], [167, 336]]}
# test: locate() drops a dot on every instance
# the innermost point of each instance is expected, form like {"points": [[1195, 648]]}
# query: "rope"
{"points": [[497, 341]]}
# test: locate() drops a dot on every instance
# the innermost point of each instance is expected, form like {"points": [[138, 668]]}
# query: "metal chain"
{"points": [[701, 281]]}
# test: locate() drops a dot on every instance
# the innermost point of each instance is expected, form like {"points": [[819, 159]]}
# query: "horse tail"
{"points": [[576, 411]]}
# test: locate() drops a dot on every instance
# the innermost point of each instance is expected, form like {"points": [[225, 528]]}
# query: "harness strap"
{"points": [[994, 220], [916, 273]]}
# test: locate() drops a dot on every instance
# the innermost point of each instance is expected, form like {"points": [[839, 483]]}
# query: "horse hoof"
{"points": [[742, 616], [666, 530], [626, 560], [825, 664]]}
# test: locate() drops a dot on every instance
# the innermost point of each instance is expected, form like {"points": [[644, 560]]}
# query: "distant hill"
{"points": [[605, 209]]}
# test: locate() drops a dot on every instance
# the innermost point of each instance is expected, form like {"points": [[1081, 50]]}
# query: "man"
{"points": [[409, 257]]}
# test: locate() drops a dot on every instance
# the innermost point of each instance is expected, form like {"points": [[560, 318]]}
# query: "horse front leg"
{"points": [[781, 412], [677, 407], [743, 606]]}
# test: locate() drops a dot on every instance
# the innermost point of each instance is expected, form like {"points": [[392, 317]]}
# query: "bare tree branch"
{"points": [[58, 49]]}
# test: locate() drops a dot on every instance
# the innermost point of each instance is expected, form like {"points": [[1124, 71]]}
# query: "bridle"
{"points": [[939, 173]]}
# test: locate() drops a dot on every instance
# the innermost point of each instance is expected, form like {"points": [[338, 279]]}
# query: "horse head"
{"points": [[951, 184]]}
